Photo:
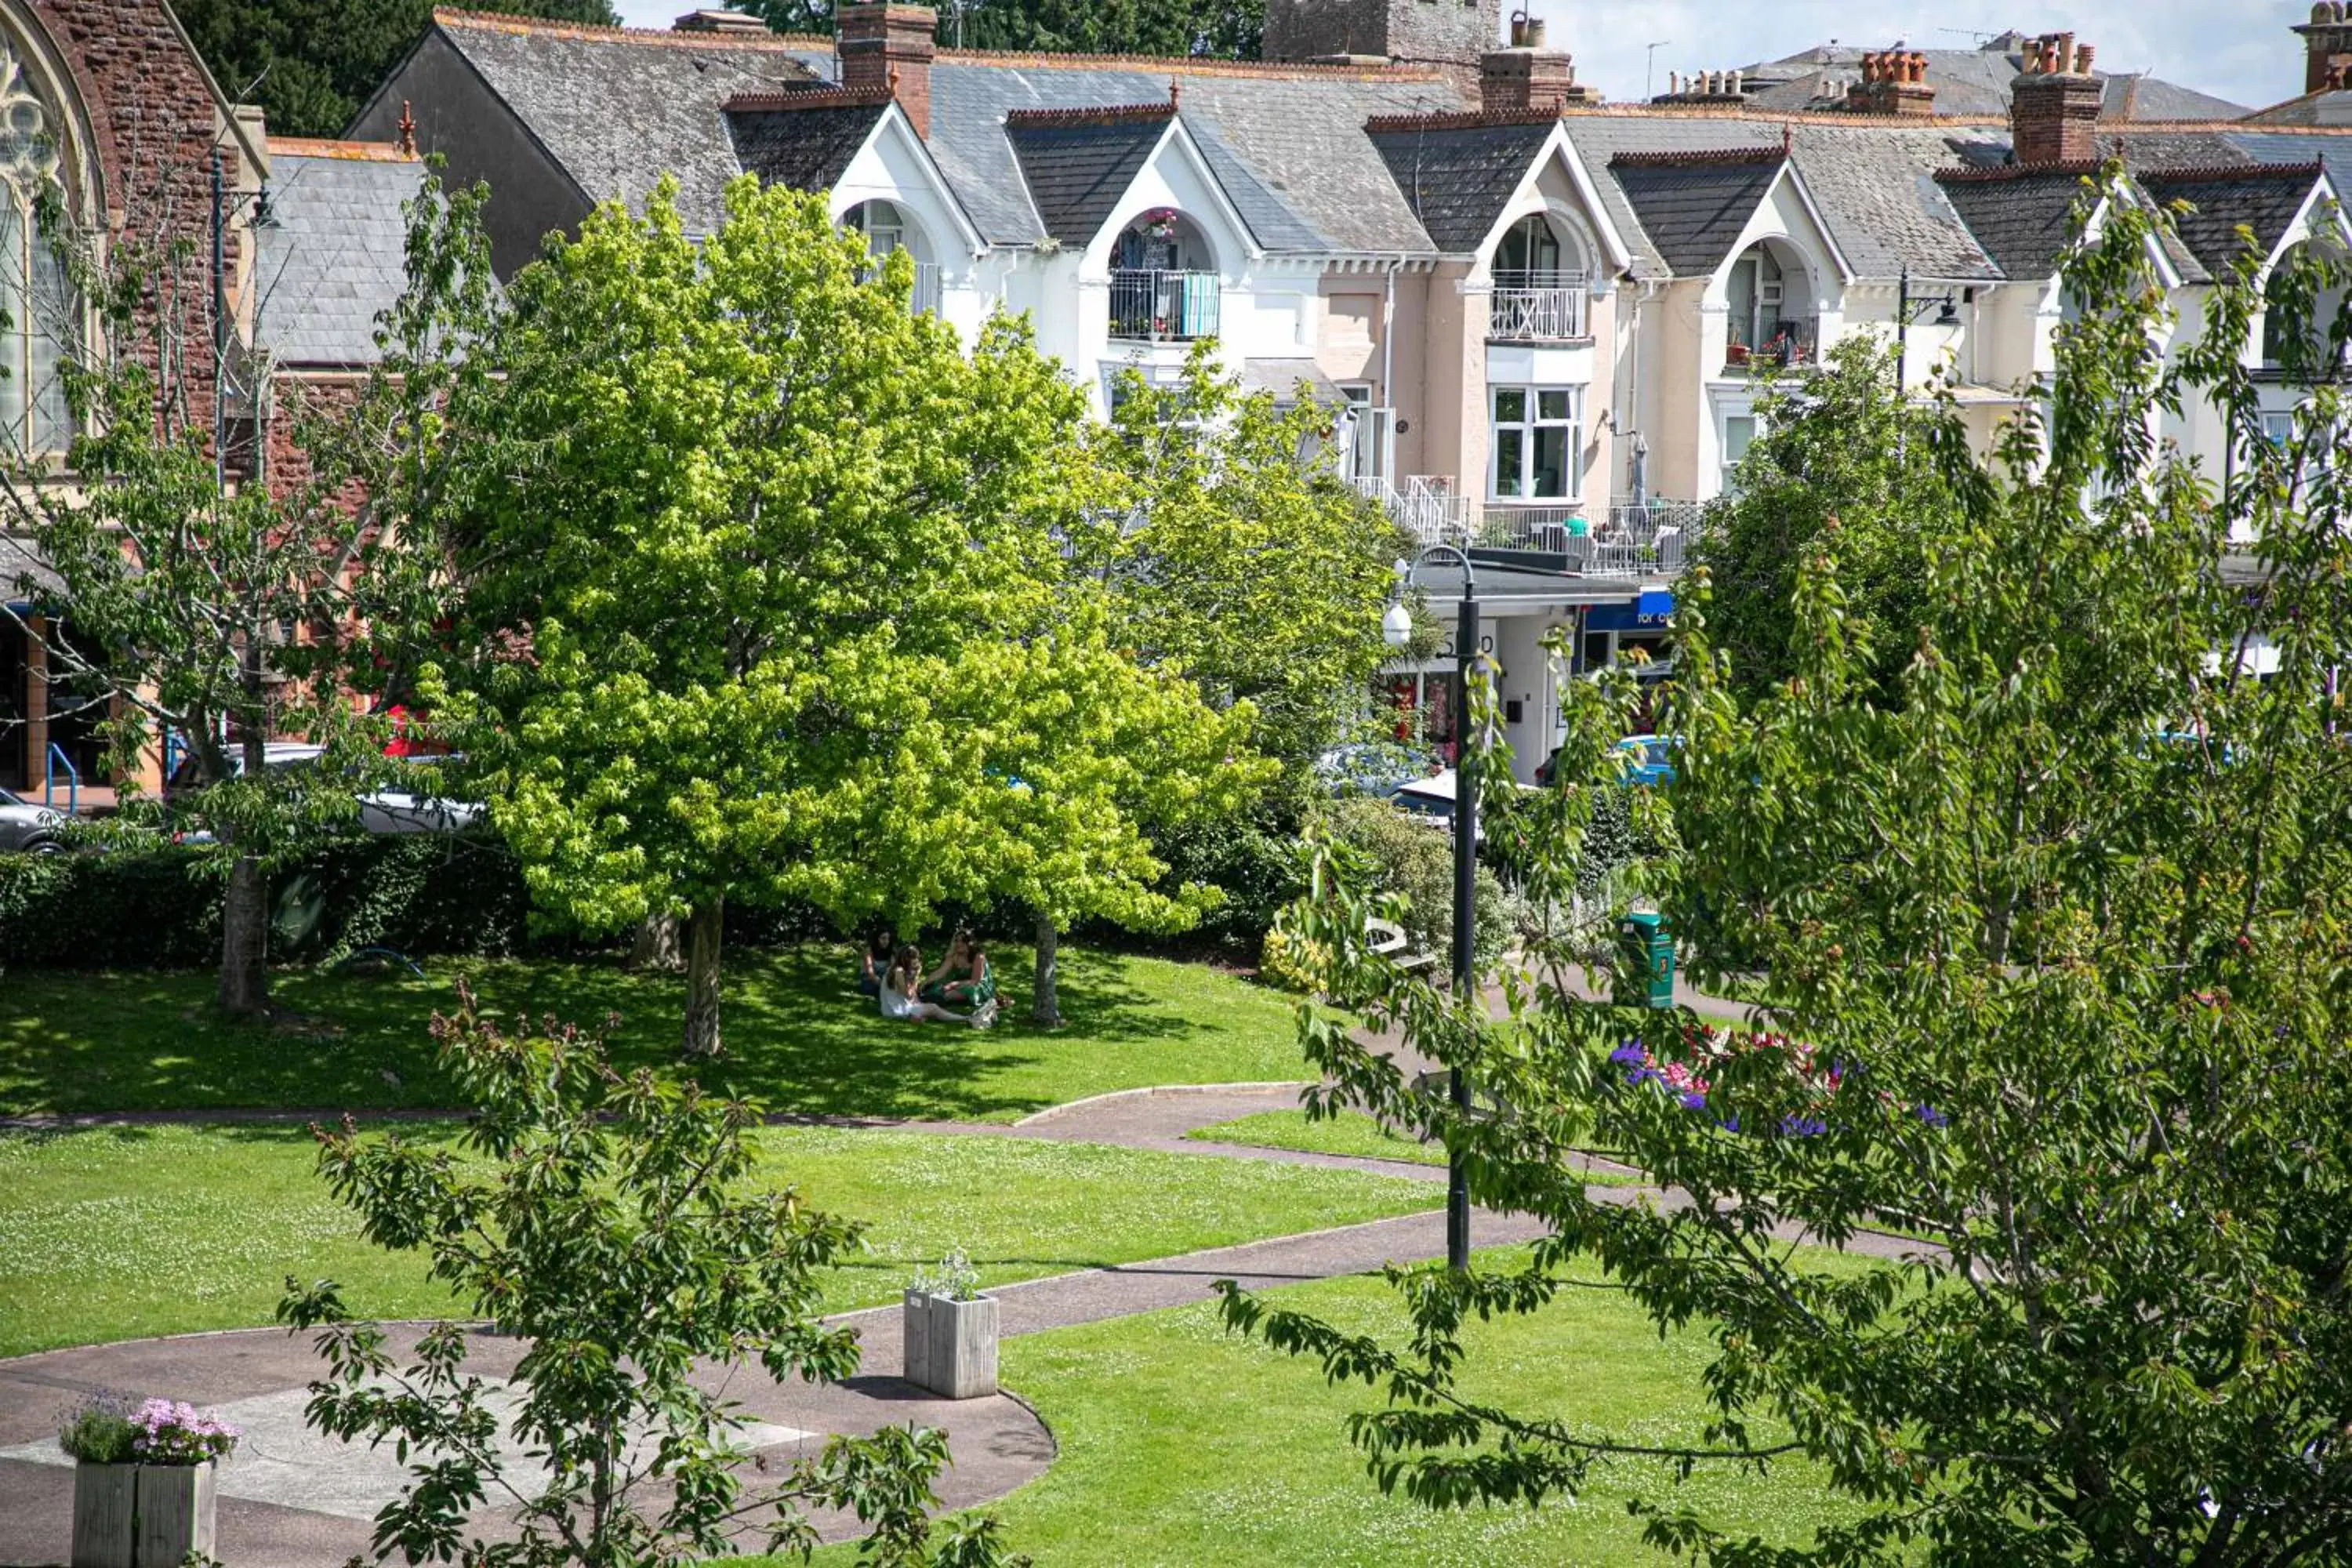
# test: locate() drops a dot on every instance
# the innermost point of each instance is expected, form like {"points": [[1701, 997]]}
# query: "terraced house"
{"points": [[1543, 315]]}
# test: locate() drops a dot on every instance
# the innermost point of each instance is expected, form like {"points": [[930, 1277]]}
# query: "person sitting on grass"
{"points": [[898, 988], [963, 977], [876, 965]]}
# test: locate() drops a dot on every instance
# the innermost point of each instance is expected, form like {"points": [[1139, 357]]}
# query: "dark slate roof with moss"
{"points": [[1694, 205], [2263, 199], [1077, 165], [802, 146], [2023, 217], [1455, 176]]}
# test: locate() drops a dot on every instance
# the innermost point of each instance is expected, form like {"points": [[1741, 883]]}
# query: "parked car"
{"points": [[29, 827], [385, 811], [1376, 768], [1650, 761]]}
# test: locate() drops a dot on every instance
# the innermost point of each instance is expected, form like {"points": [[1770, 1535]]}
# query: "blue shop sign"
{"points": [[1649, 613]]}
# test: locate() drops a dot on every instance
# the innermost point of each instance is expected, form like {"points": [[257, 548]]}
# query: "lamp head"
{"points": [[1396, 626], [1949, 316]]}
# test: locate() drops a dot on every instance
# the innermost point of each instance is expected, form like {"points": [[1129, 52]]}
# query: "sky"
{"points": [[2237, 50]]}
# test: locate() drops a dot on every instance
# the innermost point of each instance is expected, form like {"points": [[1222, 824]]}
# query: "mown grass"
{"points": [[1350, 1132], [798, 1037], [119, 1232], [1180, 1445]]}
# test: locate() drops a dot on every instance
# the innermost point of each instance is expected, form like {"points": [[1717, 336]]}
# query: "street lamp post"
{"points": [[1396, 628]]}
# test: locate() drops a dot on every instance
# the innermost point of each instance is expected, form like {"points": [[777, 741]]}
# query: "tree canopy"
{"points": [[2051, 966], [311, 64], [1229, 30], [1834, 449], [761, 597]]}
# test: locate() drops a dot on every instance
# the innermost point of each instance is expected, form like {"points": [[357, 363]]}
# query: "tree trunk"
{"points": [[244, 907], [656, 949], [245, 940], [702, 928], [1046, 1007]]}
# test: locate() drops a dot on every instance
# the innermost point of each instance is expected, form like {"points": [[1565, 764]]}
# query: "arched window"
{"points": [[44, 318], [883, 225]]}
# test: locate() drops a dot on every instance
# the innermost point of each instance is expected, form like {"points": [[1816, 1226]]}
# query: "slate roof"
{"points": [[1872, 182], [335, 255], [2024, 219], [1077, 166], [1968, 83], [1456, 178], [2264, 199], [802, 146], [1693, 210], [617, 107]]}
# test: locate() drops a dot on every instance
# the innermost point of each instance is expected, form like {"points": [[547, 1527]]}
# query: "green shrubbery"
{"points": [[158, 905], [1416, 861]]}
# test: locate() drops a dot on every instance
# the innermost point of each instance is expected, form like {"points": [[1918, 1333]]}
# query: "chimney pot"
{"points": [[2053, 111]]}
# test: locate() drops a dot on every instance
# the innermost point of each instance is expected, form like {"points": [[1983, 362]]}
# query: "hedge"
{"points": [[159, 907]]}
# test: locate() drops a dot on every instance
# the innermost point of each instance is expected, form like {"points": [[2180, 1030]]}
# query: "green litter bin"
{"points": [[1649, 960]]}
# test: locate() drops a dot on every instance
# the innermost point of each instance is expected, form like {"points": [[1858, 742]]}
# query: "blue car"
{"points": [[1649, 759]]}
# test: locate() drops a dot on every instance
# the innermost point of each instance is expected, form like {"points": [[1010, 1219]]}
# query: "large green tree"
{"points": [[1231, 29], [2052, 945], [312, 63], [762, 591], [1838, 450], [1234, 555]]}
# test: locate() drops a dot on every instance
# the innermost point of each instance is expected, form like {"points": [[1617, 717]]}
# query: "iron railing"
{"points": [[1633, 538], [1163, 307], [1536, 305]]}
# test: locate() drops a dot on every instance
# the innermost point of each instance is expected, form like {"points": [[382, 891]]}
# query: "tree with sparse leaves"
{"points": [[606, 1223], [761, 597], [2053, 962]]}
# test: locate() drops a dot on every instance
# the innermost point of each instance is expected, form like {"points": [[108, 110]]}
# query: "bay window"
{"points": [[1535, 435]]}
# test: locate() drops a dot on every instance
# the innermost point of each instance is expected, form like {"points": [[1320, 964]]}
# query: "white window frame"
{"points": [[1535, 417]]}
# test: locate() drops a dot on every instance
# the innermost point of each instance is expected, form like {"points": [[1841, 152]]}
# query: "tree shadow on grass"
{"points": [[800, 1037]]}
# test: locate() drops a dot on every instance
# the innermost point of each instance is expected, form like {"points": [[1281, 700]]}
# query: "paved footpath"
{"points": [[292, 1500]]}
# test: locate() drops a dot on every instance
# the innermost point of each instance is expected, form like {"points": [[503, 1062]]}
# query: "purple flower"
{"points": [[1693, 1100], [1795, 1126], [1630, 1055], [1731, 1123], [1931, 1116]]}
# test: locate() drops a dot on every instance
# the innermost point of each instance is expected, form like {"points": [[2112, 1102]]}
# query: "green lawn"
{"points": [[1350, 1132], [113, 1233], [1180, 1445], [798, 1037]]}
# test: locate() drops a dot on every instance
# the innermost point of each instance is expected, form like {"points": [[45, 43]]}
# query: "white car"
{"points": [[382, 811]]}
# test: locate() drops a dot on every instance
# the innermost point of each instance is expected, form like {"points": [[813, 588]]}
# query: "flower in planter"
{"points": [[168, 1432], [955, 1281], [100, 1429]]}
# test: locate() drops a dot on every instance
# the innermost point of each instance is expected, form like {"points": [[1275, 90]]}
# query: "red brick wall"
{"points": [[154, 117]]}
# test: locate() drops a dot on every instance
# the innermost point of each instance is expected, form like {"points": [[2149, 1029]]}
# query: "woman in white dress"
{"points": [[898, 988]]}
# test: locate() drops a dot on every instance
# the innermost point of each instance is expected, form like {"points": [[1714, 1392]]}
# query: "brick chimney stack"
{"points": [[1527, 78], [2053, 104], [885, 47], [2327, 46], [1894, 84]]}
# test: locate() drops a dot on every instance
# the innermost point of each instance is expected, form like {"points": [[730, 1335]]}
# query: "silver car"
{"points": [[27, 826]]}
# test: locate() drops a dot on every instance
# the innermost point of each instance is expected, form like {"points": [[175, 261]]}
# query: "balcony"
{"points": [[1782, 344], [1157, 306], [1631, 539], [1541, 306]]}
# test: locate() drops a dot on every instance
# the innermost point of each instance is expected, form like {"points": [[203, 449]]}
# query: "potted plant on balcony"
{"points": [[144, 1481], [949, 1332]]}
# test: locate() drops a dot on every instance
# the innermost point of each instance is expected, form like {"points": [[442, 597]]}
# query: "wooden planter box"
{"points": [[951, 1346], [142, 1516]]}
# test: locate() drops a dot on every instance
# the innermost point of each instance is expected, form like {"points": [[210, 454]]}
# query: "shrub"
{"points": [[1252, 855], [1287, 963], [166, 1432], [1416, 862], [100, 1430], [156, 904]]}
